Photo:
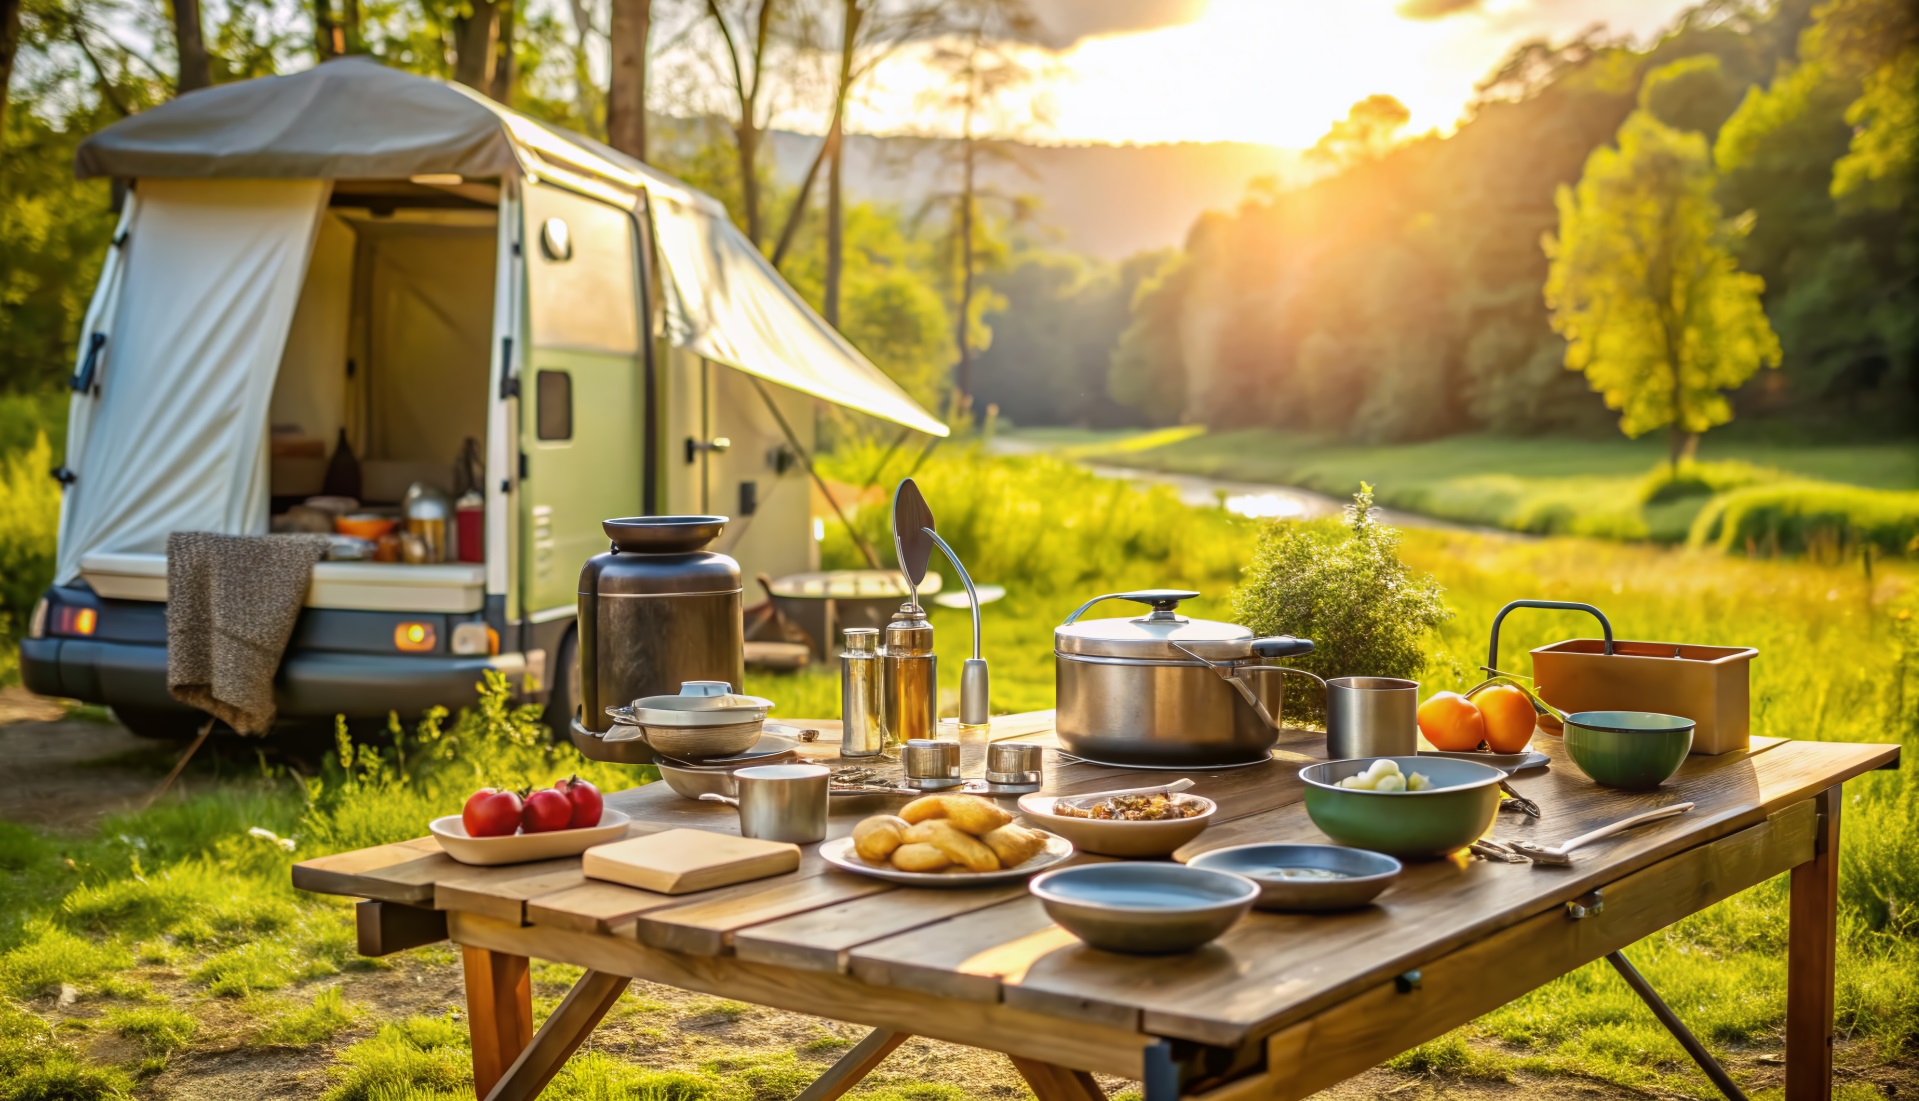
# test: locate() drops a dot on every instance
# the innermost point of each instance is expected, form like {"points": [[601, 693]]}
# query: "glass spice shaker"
{"points": [[863, 733]]}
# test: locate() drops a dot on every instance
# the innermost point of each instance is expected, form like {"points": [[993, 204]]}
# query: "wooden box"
{"points": [[1711, 685]]}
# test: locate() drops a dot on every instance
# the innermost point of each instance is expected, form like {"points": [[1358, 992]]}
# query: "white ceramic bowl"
{"points": [[1116, 837], [520, 848]]}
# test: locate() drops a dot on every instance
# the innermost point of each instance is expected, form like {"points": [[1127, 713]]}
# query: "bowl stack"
{"points": [[706, 720]]}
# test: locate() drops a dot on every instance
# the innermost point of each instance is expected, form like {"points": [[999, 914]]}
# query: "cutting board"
{"points": [[679, 861]]}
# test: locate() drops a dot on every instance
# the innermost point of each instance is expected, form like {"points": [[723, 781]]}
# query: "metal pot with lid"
{"points": [[1163, 690]]}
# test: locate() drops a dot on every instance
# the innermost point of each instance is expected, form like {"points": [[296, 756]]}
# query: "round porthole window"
{"points": [[556, 241]]}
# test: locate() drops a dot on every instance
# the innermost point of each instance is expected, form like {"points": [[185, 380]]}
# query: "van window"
{"points": [[586, 294], [553, 405]]}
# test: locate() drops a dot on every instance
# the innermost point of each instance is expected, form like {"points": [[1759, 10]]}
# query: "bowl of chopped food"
{"points": [[1142, 824], [1305, 877], [1403, 806]]}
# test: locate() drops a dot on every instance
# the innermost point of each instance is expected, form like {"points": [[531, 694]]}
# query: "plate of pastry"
{"points": [[946, 841]]}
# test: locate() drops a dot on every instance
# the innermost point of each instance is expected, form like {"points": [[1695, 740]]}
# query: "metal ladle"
{"points": [[913, 541]]}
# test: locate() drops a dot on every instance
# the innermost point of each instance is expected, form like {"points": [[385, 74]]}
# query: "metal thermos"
{"points": [[656, 611], [911, 676]]}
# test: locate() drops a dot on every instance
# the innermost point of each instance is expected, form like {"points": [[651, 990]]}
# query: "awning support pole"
{"points": [[806, 461]]}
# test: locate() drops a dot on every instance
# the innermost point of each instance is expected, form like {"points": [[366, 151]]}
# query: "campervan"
{"points": [[358, 273]]}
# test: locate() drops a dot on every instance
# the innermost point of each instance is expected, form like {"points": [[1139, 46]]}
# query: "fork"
{"points": [[1560, 855]]}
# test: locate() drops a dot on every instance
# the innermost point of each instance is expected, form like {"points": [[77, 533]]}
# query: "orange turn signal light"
{"points": [[76, 621], [415, 638]]}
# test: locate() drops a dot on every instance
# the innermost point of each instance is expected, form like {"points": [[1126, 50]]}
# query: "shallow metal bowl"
{"points": [[1144, 908], [1363, 874]]}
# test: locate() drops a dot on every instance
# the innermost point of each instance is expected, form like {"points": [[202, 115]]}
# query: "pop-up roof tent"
{"points": [[231, 190]]}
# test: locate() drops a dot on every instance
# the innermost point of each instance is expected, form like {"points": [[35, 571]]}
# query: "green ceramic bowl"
{"points": [[1634, 750], [1449, 816]]}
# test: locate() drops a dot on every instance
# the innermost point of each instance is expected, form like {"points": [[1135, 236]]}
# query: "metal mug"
{"points": [[1371, 717], [783, 802]]}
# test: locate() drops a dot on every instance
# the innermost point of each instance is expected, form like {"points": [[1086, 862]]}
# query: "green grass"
{"points": [[161, 1030], [1614, 488], [184, 898]]}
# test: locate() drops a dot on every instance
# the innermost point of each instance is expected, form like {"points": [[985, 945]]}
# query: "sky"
{"points": [[1277, 72]]}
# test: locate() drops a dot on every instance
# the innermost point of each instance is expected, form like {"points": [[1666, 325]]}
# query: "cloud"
{"points": [[1064, 22], [1435, 9]]}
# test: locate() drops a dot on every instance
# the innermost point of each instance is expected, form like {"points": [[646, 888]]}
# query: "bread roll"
{"points": [[969, 813], [877, 837], [1014, 845], [960, 847], [919, 857]]}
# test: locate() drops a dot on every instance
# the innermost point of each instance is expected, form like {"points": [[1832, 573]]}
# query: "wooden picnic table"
{"points": [[1280, 1006]]}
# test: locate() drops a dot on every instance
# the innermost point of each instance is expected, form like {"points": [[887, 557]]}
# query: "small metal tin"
{"points": [[1014, 768], [931, 764]]}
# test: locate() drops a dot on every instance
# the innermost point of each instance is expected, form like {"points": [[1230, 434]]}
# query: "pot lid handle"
{"points": [[1160, 600]]}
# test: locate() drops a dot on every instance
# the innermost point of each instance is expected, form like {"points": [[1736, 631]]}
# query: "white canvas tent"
{"points": [[231, 189]]}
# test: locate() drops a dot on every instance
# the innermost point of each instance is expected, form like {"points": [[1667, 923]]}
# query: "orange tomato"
{"points": [[1509, 717], [1452, 722]]}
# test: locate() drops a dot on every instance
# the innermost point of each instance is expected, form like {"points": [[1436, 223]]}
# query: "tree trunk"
{"points": [[965, 387], [849, 40], [196, 69], [354, 40], [9, 43], [474, 38], [835, 229], [632, 22], [500, 84], [748, 137], [327, 40]]}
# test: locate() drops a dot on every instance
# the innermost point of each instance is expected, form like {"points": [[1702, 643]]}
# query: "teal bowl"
{"points": [[1414, 824], [1634, 750]]}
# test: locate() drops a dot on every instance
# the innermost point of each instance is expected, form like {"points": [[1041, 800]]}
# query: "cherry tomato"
{"points": [[586, 800], [490, 812], [546, 810]]}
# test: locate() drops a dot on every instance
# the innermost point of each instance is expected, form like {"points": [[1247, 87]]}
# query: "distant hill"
{"points": [[1106, 200]]}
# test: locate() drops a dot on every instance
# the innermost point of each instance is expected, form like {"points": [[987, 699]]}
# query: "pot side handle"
{"points": [[1605, 625], [1160, 600], [1281, 646]]}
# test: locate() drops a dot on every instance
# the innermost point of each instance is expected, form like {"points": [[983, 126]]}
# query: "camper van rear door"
{"points": [[584, 368]]}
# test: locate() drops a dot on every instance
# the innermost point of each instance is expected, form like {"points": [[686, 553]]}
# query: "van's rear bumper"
{"points": [[119, 674], [331, 666]]}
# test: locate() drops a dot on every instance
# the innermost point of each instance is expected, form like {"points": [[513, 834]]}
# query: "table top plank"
{"points": [[968, 958], [401, 872], [704, 925], [819, 940]]}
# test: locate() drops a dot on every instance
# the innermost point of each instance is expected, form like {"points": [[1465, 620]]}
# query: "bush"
{"points": [[29, 523], [1700, 480], [1343, 586], [1801, 517]]}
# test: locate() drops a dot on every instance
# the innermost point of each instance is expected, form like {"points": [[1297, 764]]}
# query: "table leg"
{"points": [[560, 1036], [499, 1012], [853, 1067], [1812, 959], [1056, 1083]]}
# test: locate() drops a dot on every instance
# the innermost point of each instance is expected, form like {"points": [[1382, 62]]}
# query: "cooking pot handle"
{"points": [[1281, 646], [1605, 625], [1160, 600]]}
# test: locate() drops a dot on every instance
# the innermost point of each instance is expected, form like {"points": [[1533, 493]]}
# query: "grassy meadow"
{"points": [[1741, 493], [141, 957]]}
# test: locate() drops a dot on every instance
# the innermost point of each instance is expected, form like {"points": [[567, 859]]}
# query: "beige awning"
{"points": [[355, 119]]}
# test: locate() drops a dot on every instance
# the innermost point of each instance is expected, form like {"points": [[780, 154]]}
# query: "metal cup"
{"points": [[1371, 717], [783, 802]]}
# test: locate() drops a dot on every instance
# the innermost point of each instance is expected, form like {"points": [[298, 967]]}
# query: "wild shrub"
{"points": [[1697, 479], [29, 523], [1821, 519], [1341, 584]]}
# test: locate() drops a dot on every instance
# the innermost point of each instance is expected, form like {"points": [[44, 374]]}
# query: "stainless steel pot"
{"points": [[1166, 691]]}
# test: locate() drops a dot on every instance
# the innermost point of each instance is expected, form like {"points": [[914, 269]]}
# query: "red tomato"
{"points": [[490, 812], [546, 810], [586, 801]]}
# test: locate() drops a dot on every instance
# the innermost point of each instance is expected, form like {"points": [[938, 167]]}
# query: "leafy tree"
{"points": [[1644, 287]]}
